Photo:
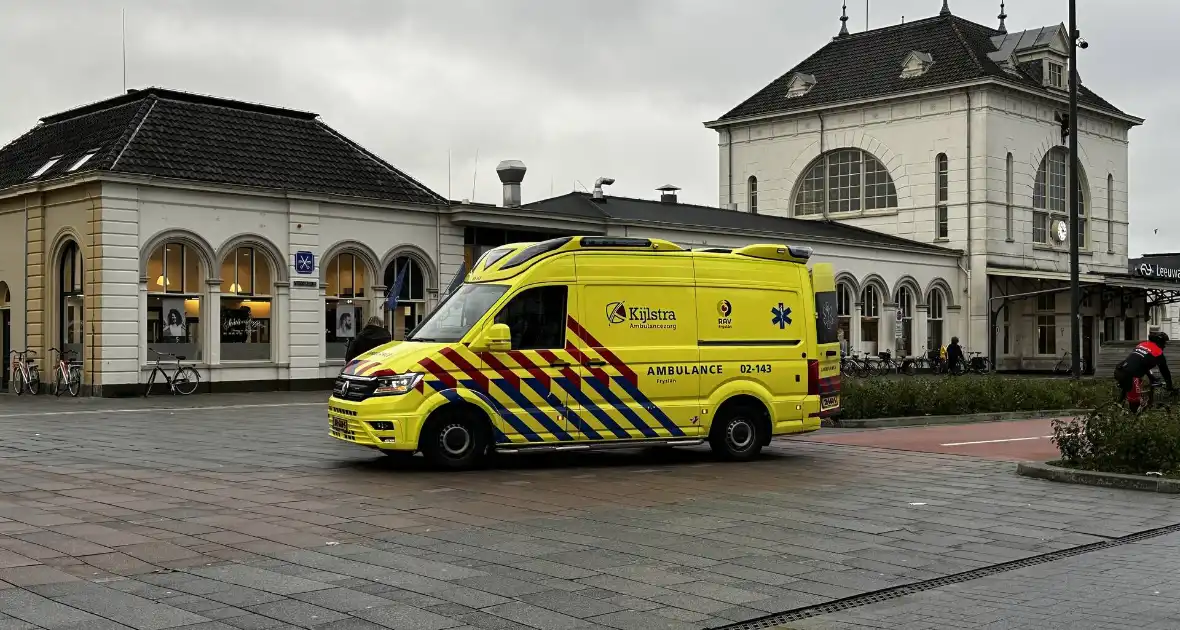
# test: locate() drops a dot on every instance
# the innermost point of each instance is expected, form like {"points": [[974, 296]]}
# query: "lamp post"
{"points": [[1075, 289]]}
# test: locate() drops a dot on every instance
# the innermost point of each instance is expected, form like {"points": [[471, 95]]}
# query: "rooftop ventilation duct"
{"points": [[598, 184], [511, 173], [667, 193]]}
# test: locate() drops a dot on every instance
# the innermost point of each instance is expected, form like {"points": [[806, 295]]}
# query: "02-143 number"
{"points": [[761, 368]]}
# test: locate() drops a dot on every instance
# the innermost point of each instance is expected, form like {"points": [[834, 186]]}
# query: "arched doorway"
{"points": [[411, 299], [70, 300]]}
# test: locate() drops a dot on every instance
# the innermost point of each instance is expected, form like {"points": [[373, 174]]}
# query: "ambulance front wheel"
{"points": [[455, 439], [738, 432]]}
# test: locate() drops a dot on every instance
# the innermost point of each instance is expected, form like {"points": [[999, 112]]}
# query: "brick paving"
{"points": [[1132, 586], [244, 514]]}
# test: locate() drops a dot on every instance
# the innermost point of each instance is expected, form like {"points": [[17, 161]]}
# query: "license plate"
{"points": [[829, 402], [340, 425]]}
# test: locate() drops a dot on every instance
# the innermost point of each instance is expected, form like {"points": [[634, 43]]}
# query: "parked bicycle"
{"points": [[67, 373], [25, 374], [1065, 365], [183, 380], [855, 365], [979, 363], [886, 364]]}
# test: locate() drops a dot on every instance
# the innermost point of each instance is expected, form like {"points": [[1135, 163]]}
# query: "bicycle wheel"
{"points": [[18, 382], [34, 384], [74, 384], [186, 380], [57, 382], [147, 388], [909, 368]]}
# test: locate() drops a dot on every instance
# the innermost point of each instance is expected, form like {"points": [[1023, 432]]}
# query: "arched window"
{"points": [[936, 304], [905, 306], [247, 292], [752, 194], [1050, 203], [1008, 180], [345, 309], [5, 296], [1110, 213], [70, 299], [870, 318], [411, 297], [847, 180], [175, 275], [844, 312]]}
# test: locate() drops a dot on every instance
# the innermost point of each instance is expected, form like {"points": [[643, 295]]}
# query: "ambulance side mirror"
{"points": [[496, 338]]}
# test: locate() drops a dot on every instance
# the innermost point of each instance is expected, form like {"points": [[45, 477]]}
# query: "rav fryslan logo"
{"points": [[725, 310], [644, 317]]}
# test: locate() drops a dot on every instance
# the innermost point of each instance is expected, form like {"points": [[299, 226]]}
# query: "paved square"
{"points": [[242, 513]]}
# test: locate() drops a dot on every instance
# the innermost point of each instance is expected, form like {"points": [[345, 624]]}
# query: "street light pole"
{"points": [[1075, 289]]}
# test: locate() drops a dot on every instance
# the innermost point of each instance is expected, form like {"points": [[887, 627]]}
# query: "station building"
{"points": [[944, 131], [255, 240]]}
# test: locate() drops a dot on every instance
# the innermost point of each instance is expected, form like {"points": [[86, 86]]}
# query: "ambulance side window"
{"points": [[536, 318]]}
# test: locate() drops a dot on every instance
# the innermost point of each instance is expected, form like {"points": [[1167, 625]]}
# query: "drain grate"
{"points": [[894, 592]]}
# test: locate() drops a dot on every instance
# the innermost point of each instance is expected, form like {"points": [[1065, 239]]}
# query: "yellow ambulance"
{"points": [[581, 343]]}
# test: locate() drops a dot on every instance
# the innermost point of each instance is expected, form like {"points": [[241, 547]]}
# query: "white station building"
{"points": [[947, 132]]}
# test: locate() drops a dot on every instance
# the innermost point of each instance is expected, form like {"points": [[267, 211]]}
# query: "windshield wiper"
{"points": [[422, 339]]}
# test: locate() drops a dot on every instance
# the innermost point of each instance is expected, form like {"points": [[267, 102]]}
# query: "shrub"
{"points": [[956, 395], [1112, 439]]}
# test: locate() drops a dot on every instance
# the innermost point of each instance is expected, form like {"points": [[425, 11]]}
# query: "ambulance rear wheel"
{"points": [[454, 440], [737, 433]]}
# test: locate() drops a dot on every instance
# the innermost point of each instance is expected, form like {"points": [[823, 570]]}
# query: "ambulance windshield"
{"points": [[458, 313]]}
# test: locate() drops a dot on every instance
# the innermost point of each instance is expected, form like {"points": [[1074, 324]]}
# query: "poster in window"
{"points": [[345, 322], [175, 329], [237, 324]]}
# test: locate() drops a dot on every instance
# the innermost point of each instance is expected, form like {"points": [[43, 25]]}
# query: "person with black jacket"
{"points": [[1145, 357], [374, 334], [956, 362]]}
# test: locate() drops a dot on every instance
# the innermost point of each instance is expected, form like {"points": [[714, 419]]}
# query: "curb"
{"points": [[914, 421], [1042, 470]]}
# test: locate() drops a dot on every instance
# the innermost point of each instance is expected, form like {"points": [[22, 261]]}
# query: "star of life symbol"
{"points": [[782, 316]]}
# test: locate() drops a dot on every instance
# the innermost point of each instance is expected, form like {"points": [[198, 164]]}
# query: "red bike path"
{"points": [[1014, 441]]}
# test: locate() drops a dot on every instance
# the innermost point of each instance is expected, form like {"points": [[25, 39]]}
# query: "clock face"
{"points": [[1062, 231]]}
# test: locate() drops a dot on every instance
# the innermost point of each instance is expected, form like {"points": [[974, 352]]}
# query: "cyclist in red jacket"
{"points": [[1145, 357]]}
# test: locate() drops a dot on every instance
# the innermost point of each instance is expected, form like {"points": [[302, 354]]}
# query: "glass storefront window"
{"points": [[344, 311], [246, 299], [174, 302]]}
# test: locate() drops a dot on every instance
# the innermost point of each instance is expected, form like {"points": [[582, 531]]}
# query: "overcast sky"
{"points": [[575, 89]]}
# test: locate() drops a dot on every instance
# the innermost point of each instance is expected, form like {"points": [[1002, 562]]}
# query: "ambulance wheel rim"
{"points": [[455, 440], [740, 434]]}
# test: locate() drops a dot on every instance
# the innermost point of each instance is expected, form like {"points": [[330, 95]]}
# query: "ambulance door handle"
{"points": [[595, 363], [559, 364], [831, 353]]}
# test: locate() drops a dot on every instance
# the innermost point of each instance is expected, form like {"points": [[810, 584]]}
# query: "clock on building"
{"points": [[1061, 231]]}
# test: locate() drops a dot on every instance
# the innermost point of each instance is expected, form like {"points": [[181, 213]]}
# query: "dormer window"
{"points": [[800, 84], [916, 64], [1054, 75]]}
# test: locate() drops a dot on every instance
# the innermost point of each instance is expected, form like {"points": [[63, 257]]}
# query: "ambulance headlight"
{"points": [[392, 384]]}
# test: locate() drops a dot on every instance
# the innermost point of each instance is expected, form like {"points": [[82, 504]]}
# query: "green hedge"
{"points": [[954, 395], [1112, 439]]}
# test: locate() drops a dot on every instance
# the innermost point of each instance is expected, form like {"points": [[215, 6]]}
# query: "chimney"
{"points": [[597, 194], [667, 193], [511, 173]]}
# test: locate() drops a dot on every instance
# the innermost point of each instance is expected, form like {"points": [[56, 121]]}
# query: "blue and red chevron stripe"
{"points": [[519, 387]]}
